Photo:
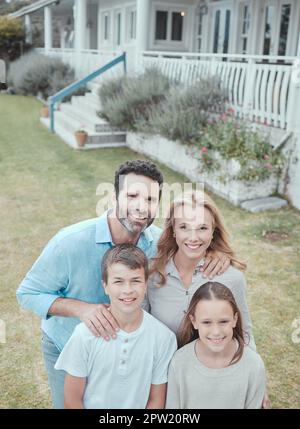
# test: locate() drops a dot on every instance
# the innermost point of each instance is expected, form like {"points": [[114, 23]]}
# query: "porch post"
{"points": [[142, 28], [28, 29], [293, 124], [48, 28], [80, 24]]}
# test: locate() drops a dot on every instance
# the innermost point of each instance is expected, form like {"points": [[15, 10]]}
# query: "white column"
{"points": [[80, 24], [28, 29], [48, 27], [294, 126], [142, 28]]}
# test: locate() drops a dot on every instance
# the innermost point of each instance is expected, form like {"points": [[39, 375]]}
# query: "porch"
{"points": [[259, 87]]}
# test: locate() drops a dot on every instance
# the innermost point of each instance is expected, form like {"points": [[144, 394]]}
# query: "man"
{"points": [[62, 286]]}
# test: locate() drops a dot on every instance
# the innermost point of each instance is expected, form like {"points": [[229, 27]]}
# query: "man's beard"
{"points": [[132, 227]]}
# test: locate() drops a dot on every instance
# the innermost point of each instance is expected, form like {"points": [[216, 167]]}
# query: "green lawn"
{"points": [[45, 185]]}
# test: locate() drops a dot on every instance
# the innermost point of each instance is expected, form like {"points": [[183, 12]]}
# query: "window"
{"points": [[216, 32], [118, 28], [161, 25], [284, 27], [245, 28], [132, 26], [106, 27], [177, 23], [269, 22], [226, 35], [199, 32], [169, 25]]}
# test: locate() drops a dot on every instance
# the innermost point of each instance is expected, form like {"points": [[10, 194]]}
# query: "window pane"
{"points": [[268, 29], [177, 23], [118, 29], [244, 45], [216, 32], [246, 20], [284, 27], [133, 24], [161, 25], [106, 27], [226, 36]]}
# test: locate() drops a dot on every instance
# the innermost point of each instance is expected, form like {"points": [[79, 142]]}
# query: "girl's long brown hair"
{"points": [[167, 246], [210, 291]]}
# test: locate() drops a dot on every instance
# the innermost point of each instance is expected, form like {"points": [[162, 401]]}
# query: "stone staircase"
{"points": [[81, 113]]}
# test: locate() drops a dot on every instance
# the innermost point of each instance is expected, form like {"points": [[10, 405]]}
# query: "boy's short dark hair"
{"points": [[141, 168], [127, 254]]}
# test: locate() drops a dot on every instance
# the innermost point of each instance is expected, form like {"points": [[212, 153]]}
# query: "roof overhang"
{"points": [[32, 8]]}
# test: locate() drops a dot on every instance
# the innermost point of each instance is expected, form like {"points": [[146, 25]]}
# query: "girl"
{"points": [[214, 368], [193, 227]]}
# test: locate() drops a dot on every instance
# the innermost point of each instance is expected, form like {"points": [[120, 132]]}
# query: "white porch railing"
{"points": [[86, 61], [258, 90]]}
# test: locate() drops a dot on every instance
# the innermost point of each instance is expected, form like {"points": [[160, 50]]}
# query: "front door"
{"points": [[221, 29]]}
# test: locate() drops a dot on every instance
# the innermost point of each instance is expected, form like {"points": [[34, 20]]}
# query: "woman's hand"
{"points": [[98, 319], [216, 263]]}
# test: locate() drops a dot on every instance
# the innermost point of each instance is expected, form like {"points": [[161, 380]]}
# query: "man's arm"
{"points": [[74, 391], [216, 263], [157, 396], [96, 317]]}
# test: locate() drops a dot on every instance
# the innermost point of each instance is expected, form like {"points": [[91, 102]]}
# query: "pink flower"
{"points": [[269, 166], [204, 149], [266, 157], [210, 121], [223, 117], [231, 110]]}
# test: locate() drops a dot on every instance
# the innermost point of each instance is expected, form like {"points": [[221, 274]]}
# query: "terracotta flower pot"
{"points": [[45, 112], [81, 137]]}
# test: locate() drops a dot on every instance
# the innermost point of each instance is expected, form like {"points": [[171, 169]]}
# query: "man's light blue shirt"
{"points": [[70, 267]]}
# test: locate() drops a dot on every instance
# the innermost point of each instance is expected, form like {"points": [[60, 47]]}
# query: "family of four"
{"points": [[140, 293]]}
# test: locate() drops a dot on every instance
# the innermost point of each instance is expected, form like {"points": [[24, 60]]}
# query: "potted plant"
{"points": [[45, 111], [81, 136]]}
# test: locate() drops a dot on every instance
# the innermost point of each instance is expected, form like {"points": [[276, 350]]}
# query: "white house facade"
{"points": [[252, 45]]}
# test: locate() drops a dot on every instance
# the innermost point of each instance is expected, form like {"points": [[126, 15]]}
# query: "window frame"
{"points": [[168, 43]]}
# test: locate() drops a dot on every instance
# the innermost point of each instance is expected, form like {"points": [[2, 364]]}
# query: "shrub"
{"points": [[185, 112], [12, 38], [231, 138], [126, 101], [35, 74]]}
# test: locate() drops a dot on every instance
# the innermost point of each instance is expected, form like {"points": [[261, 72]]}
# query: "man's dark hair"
{"points": [[127, 254], [141, 168]]}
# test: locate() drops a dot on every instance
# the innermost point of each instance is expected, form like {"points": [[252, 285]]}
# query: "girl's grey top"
{"points": [[170, 302]]}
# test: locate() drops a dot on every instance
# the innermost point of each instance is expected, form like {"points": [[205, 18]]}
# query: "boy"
{"points": [[131, 371]]}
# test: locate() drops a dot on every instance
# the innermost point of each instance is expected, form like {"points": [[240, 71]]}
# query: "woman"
{"points": [[193, 227]]}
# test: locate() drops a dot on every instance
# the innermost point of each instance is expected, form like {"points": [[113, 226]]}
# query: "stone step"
{"points": [[86, 105], [87, 119], [95, 140], [94, 86], [93, 97], [261, 204]]}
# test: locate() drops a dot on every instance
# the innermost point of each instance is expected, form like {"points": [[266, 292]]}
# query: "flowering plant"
{"points": [[81, 129], [229, 138]]}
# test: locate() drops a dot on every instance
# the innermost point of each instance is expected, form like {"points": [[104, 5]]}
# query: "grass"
{"points": [[45, 185]]}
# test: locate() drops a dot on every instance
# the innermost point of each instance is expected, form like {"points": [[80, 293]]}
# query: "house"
{"points": [[253, 45]]}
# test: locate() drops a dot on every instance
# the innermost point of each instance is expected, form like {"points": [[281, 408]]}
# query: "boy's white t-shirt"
{"points": [[119, 372]]}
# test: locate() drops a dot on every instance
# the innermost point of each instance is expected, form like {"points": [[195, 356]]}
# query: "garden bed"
{"points": [[180, 158]]}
